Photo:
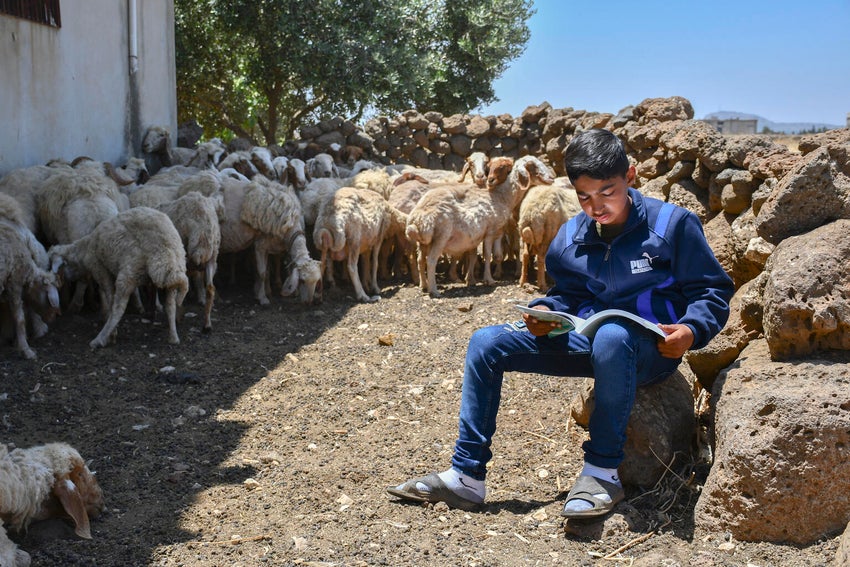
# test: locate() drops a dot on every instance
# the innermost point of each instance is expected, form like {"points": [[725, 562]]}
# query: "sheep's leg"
{"points": [[79, 298], [261, 258], [434, 253], [9, 552], [199, 283], [488, 254], [37, 324], [352, 265], [541, 267], [471, 261], [16, 304], [376, 253], [171, 315], [421, 260], [526, 259], [122, 295], [498, 257], [209, 276]]}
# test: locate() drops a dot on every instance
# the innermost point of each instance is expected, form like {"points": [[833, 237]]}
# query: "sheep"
{"points": [[71, 204], [24, 185], [20, 278], [258, 209], [159, 153], [540, 174], [407, 189], [163, 187], [322, 165], [454, 219], [298, 175], [241, 161], [542, 212], [196, 219], [261, 158], [476, 165], [136, 247], [42, 482], [280, 165], [354, 222]]}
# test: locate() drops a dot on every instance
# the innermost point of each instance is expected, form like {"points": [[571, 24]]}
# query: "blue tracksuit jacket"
{"points": [[660, 267]]}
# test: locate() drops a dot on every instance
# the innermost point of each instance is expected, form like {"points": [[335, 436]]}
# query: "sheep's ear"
{"points": [[291, 283], [53, 296], [524, 178], [56, 264], [69, 496], [464, 171]]}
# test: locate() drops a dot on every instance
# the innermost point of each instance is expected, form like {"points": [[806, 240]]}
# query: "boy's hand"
{"points": [[678, 340], [535, 326]]}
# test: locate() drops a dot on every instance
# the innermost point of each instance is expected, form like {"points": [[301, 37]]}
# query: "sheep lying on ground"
{"points": [[44, 482], [354, 222], [196, 219], [542, 212], [134, 248]]}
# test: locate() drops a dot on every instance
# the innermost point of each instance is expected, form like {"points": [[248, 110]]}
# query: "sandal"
{"points": [[438, 492], [586, 487]]}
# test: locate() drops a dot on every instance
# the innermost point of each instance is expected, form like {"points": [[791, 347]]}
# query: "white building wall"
{"points": [[67, 92]]}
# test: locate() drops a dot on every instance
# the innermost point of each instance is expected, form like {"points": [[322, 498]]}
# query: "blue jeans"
{"points": [[621, 357]]}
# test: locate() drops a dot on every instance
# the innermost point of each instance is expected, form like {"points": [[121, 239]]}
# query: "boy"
{"points": [[624, 251]]}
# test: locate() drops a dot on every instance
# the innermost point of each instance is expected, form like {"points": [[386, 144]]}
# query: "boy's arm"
{"points": [[703, 281]]}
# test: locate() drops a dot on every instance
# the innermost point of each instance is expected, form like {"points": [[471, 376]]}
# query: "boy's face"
{"points": [[605, 200]]}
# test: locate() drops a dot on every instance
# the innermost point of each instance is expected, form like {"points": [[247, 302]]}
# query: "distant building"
{"points": [[733, 125]]}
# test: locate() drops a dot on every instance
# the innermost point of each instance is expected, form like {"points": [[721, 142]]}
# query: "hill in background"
{"points": [[779, 127]]}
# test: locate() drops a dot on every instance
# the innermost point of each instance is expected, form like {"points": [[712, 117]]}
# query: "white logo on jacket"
{"points": [[643, 264]]}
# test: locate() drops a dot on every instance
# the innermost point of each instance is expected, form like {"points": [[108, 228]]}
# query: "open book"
{"points": [[587, 327]]}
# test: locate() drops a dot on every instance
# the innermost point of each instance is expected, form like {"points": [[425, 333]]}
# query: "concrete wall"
{"points": [[733, 125], [69, 91]]}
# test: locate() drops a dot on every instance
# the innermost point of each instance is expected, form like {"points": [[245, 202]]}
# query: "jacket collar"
{"points": [[586, 231]]}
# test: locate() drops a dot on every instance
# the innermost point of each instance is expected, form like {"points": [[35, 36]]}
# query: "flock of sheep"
{"points": [[133, 234], [129, 232]]}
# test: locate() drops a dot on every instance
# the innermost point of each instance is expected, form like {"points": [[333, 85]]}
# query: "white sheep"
{"points": [[476, 164], [33, 481], [455, 219], [322, 165], [24, 185], [542, 212], [242, 161], [407, 189], [134, 248], [258, 209], [261, 158], [354, 222], [21, 278], [72, 203], [159, 152], [297, 175], [508, 247], [196, 219]]}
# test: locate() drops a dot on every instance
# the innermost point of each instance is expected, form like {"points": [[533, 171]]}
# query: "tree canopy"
{"points": [[262, 68]]}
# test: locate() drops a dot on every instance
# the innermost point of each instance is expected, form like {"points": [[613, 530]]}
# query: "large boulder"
{"points": [[663, 109], [781, 470], [697, 140], [814, 193], [812, 142], [660, 429], [807, 293]]}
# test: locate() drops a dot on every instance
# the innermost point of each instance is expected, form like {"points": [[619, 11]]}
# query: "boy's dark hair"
{"points": [[596, 153]]}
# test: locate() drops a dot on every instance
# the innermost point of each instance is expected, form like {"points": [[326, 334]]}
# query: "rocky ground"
{"points": [[271, 441]]}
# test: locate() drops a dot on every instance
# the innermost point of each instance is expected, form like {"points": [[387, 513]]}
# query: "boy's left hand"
{"points": [[677, 342]]}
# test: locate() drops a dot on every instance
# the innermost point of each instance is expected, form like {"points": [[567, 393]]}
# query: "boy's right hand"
{"points": [[535, 326]]}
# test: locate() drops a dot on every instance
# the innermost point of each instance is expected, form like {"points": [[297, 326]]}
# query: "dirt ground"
{"points": [[271, 442]]}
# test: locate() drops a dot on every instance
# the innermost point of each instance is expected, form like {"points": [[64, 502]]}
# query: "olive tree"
{"points": [[262, 68]]}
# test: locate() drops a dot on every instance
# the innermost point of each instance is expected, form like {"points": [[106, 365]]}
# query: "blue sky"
{"points": [[787, 61]]}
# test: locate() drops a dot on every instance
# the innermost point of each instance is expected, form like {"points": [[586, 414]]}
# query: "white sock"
{"points": [[609, 475], [464, 485]]}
